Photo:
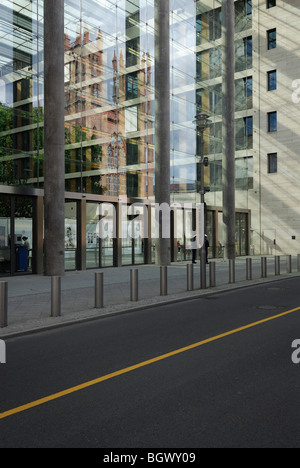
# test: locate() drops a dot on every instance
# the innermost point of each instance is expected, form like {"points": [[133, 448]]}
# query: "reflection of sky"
{"points": [[2, 92]]}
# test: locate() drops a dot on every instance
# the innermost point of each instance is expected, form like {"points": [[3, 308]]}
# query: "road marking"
{"points": [[68, 391]]}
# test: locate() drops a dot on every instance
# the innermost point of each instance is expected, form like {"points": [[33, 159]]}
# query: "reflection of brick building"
{"points": [[107, 121]]}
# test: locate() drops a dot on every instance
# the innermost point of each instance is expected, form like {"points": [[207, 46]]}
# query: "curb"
{"points": [[50, 323]]}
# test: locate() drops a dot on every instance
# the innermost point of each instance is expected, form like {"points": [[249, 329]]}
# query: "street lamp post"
{"points": [[201, 124]]}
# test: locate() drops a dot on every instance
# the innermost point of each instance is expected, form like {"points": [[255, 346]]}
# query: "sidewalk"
{"points": [[29, 297]]}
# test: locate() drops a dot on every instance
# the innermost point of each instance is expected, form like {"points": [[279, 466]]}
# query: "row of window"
{"points": [[272, 85]]}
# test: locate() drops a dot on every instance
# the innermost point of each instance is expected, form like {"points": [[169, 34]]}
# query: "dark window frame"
{"points": [[272, 163], [272, 80], [272, 38], [272, 124]]}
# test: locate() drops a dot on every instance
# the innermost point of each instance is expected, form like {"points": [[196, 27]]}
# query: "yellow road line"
{"points": [[63, 393]]}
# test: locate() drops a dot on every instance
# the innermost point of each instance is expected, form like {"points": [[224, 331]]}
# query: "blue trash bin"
{"points": [[22, 258]]}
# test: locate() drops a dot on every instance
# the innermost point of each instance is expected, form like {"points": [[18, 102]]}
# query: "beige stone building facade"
{"points": [[267, 45]]}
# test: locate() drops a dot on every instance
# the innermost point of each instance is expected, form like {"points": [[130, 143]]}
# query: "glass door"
{"points": [[100, 231], [70, 235], [107, 228], [16, 235], [92, 235], [5, 235], [23, 234], [242, 234]]}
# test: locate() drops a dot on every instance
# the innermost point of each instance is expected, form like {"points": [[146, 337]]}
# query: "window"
{"points": [[272, 80], [249, 126], [132, 152], [248, 46], [215, 99], [244, 133], [271, 3], [132, 52], [271, 36], [243, 15], [272, 163], [244, 173], [199, 29], [272, 122], [215, 62], [243, 54], [248, 86], [215, 24], [131, 86]]}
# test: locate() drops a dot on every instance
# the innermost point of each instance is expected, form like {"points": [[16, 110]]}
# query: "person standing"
{"points": [[206, 248], [26, 243], [194, 249]]}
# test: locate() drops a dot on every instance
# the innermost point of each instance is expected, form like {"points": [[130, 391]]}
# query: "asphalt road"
{"points": [[237, 390]]}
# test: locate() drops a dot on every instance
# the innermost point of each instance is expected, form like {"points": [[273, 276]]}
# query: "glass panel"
{"points": [[244, 234], [107, 229], [70, 235], [272, 163], [20, 92], [5, 237], [272, 121], [100, 228], [272, 80], [139, 226], [210, 232], [153, 234], [92, 235], [180, 235], [23, 234], [127, 235], [221, 236], [271, 39], [188, 229]]}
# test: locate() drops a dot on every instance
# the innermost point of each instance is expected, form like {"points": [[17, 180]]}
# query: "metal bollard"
{"points": [[163, 280], [298, 262], [231, 271], [249, 269], [55, 296], [99, 290], [212, 274], [277, 265], [289, 264], [190, 277], [3, 304], [264, 267], [134, 285]]}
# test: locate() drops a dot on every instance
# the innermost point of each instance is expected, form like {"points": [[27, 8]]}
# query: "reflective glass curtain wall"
{"points": [[109, 97], [209, 95], [21, 92], [109, 87]]}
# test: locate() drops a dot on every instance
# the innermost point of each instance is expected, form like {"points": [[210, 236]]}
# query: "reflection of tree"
{"points": [[9, 173], [96, 157], [84, 159], [23, 207], [4, 207], [81, 159], [6, 145]]}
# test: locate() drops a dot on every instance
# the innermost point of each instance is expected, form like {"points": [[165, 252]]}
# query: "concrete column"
{"points": [[228, 127], [162, 121], [54, 137]]}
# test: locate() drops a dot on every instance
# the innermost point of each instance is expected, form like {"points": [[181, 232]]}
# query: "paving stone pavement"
{"points": [[29, 296]]}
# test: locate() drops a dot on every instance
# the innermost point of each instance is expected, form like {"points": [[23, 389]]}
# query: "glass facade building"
{"points": [[110, 126]]}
